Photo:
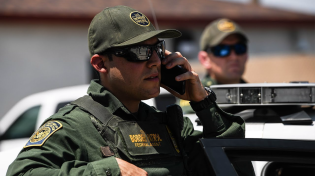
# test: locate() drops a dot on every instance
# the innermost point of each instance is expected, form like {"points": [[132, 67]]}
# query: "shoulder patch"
{"points": [[43, 133]]}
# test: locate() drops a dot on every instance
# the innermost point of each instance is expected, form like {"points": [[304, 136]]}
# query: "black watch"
{"points": [[211, 94], [205, 103]]}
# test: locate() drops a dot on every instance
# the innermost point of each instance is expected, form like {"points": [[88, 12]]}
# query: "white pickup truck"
{"points": [[293, 120]]}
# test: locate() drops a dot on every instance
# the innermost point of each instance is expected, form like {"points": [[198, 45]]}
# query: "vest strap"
{"points": [[93, 107]]}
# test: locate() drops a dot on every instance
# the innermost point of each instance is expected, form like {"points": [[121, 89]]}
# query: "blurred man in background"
{"points": [[223, 53]]}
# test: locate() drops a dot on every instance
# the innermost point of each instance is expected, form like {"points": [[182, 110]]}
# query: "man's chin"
{"points": [[236, 73], [153, 92]]}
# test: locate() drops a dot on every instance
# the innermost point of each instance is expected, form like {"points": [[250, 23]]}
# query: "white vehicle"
{"points": [[6, 158], [271, 111], [27, 115]]}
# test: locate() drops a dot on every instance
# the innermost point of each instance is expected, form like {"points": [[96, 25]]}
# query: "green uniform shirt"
{"points": [[69, 144]]}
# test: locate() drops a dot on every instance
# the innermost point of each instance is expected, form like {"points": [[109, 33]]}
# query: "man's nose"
{"points": [[233, 55]]}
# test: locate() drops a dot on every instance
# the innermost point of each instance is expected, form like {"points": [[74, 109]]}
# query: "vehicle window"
{"points": [[24, 126], [288, 169], [60, 105]]}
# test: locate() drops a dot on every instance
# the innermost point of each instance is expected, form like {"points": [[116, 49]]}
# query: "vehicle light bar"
{"points": [[266, 94]]}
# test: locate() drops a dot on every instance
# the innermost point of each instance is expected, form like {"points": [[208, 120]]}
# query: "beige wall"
{"points": [[280, 68]]}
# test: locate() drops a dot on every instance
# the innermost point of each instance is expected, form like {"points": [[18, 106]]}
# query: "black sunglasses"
{"points": [[225, 50], [136, 53]]}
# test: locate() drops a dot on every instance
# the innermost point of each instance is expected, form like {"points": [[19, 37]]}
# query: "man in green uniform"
{"points": [[223, 53], [110, 131]]}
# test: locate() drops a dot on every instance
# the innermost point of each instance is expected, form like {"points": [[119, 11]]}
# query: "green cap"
{"points": [[122, 26], [216, 31]]}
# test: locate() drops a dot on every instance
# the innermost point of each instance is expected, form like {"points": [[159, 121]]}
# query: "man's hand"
{"points": [[194, 90], [127, 169]]}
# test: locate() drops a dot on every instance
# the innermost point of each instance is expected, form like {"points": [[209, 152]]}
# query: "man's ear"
{"points": [[204, 59], [97, 62]]}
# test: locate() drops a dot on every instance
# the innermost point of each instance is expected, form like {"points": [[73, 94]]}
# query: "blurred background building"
{"points": [[43, 43]]}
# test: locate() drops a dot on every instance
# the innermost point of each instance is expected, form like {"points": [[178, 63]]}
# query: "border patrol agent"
{"points": [[110, 131], [223, 53]]}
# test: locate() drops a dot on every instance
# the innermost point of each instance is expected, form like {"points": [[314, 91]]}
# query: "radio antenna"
{"points": [[153, 14]]}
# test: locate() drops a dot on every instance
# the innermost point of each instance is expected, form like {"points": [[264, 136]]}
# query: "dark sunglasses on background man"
{"points": [[225, 50], [136, 53]]}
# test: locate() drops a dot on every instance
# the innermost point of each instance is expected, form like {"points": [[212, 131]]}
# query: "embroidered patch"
{"points": [[145, 140], [225, 25], [43, 133], [139, 18]]}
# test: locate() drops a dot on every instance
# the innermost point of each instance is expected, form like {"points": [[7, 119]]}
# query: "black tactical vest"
{"points": [[153, 143]]}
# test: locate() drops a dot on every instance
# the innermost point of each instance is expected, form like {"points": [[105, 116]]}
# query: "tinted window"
{"points": [[24, 126], [288, 169]]}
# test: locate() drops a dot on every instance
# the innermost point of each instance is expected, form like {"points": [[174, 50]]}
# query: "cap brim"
{"points": [[167, 33], [220, 37]]}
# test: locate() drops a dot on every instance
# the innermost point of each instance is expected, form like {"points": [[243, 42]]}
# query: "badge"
{"points": [[225, 25], [43, 133], [144, 138], [139, 18], [209, 83]]}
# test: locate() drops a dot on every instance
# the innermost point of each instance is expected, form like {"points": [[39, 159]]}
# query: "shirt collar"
{"points": [[105, 97]]}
